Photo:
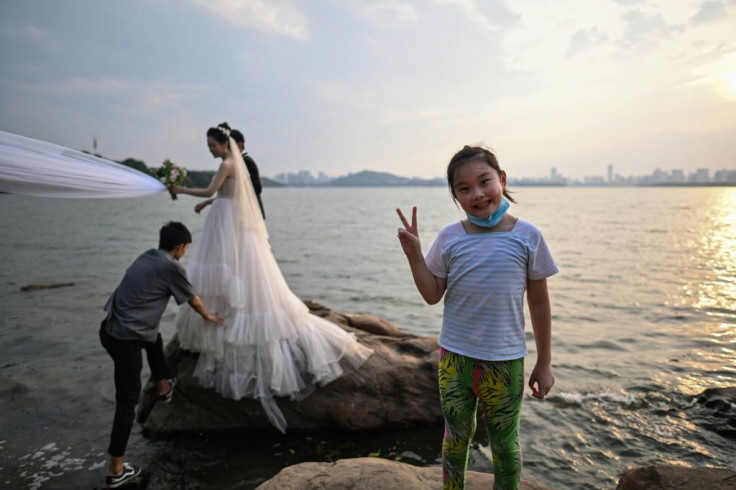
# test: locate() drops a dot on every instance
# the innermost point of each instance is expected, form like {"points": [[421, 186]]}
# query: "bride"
{"points": [[270, 344]]}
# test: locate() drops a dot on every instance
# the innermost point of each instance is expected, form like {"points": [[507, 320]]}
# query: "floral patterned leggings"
{"points": [[499, 386]]}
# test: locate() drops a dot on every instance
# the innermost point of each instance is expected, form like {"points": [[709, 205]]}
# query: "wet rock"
{"points": [[666, 477], [715, 410], [36, 287], [367, 323], [719, 399], [10, 387], [371, 474], [395, 388]]}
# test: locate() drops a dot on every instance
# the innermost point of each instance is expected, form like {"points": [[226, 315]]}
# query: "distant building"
{"points": [[303, 177], [595, 180], [725, 177], [701, 176], [322, 178], [677, 176], [659, 177], [610, 174]]}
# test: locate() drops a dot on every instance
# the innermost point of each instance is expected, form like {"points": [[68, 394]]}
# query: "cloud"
{"points": [[279, 17], [85, 86], [392, 10], [709, 11], [582, 40], [27, 33], [490, 14], [126, 94], [640, 25]]}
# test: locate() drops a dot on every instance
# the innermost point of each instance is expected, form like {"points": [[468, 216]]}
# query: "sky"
{"points": [[399, 86]]}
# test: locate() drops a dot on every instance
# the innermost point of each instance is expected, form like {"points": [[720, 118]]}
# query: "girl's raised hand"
{"points": [[409, 235]]}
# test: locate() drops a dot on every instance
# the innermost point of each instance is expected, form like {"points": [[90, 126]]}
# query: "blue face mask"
{"points": [[493, 219]]}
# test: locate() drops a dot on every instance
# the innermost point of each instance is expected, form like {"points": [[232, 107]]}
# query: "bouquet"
{"points": [[170, 174]]}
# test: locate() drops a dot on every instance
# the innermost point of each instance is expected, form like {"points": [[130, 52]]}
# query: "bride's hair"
{"points": [[221, 133]]}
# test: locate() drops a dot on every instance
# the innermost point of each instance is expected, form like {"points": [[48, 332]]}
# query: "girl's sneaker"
{"points": [[128, 474]]}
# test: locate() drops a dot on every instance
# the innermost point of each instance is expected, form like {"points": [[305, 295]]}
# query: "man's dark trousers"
{"points": [[128, 359]]}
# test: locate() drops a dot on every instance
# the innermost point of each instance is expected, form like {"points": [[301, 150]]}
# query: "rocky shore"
{"points": [[395, 389]]}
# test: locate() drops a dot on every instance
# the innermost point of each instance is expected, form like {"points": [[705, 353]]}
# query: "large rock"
{"points": [[396, 387], [372, 474], [667, 477], [367, 323], [715, 409]]}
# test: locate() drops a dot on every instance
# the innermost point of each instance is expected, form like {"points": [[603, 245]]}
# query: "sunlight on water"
{"points": [[711, 291], [718, 249]]}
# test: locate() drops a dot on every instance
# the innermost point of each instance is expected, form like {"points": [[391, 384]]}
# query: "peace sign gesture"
{"points": [[409, 235]]}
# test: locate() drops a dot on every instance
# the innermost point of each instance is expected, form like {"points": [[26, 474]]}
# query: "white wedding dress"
{"points": [[270, 344]]}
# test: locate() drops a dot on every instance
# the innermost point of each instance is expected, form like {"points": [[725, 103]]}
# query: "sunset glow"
{"points": [[395, 86]]}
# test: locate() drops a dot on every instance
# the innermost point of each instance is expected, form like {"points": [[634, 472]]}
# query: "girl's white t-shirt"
{"points": [[486, 277]]}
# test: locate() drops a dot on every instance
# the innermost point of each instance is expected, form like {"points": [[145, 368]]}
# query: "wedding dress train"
{"points": [[270, 344]]}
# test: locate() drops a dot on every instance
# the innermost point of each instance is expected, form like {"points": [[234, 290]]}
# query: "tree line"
{"points": [[194, 178]]}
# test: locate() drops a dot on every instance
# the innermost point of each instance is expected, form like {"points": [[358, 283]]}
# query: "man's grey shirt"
{"points": [[141, 298]]}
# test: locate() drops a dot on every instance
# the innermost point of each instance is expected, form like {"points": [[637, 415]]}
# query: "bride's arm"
{"points": [[223, 173], [201, 205]]}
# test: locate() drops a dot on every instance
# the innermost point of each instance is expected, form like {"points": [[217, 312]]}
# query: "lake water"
{"points": [[644, 319]]}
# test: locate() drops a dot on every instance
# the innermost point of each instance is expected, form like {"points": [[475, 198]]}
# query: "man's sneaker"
{"points": [[129, 473], [166, 397]]}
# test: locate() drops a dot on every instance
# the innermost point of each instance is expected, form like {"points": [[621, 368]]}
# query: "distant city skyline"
{"points": [[674, 176], [658, 176]]}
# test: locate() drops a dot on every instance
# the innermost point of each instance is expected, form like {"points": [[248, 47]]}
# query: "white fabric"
{"points": [[270, 344], [38, 168], [244, 197]]}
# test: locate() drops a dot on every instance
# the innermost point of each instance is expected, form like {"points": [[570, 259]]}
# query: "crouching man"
{"points": [[132, 325]]}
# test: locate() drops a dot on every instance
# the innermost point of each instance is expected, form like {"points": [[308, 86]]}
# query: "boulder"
{"points": [[715, 410], [666, 477], [371, 474], [395, 388], [366, 323]]}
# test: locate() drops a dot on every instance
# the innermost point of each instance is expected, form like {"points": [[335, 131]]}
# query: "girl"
{"points": [[271, 345], [485, 264]]}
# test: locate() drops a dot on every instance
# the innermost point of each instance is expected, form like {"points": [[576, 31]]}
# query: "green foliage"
{"points": [[266, 182], [194, 178], [198, 178], [136, 164]]}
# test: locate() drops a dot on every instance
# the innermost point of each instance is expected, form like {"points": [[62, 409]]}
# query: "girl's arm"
{"points": [[223, 172], [431, 287], [541, 315]]}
